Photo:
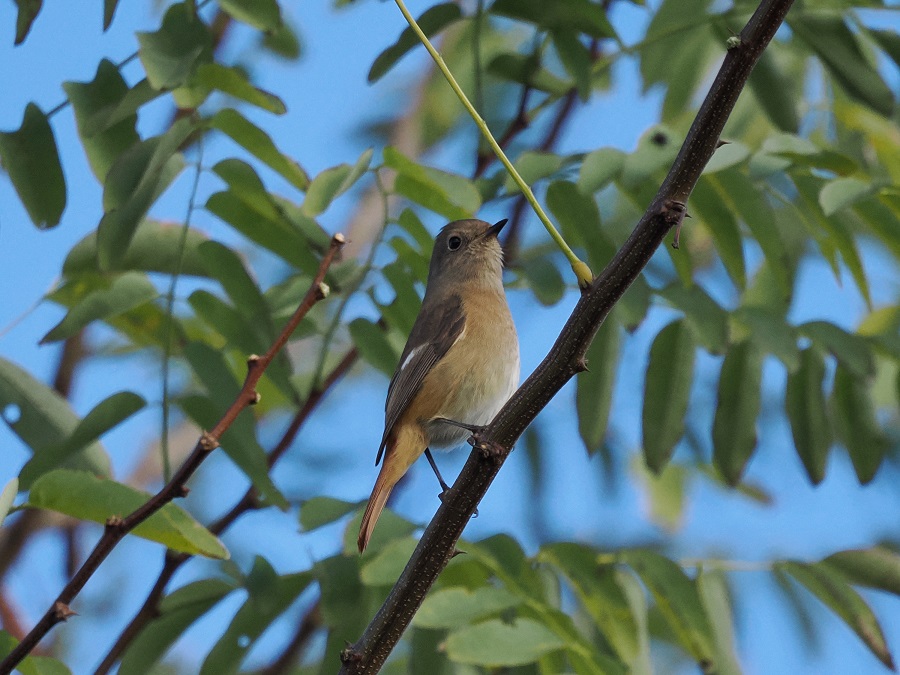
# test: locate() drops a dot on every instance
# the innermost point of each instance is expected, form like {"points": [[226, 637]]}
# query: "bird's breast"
{"points": [[477, 375]]}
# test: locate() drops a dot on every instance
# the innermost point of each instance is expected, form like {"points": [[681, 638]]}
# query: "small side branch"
{"points": [[438, 542], [116, 530]]}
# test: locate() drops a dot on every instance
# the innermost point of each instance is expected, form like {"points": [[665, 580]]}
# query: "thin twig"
{"points": [[169, 324], [116, 528], [566, 358], [248, 502]]}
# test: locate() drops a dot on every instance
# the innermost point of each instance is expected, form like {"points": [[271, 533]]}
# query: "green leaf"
{"points": [[852, 350], [533, 166], [342, 593], [28, 11], [720, 222], [383, 568], [714, 595], [245, 212], [171, 54], [598, 590], [665, 493], [808, 414], [227, 322], [831, 587], [31, 160], [137, 179], [742, 199], [233, 81], [449, 194], [843, 192], [373, 345], [675, 50], [264, 15], [228, 269], [855, 424], [876, 567], [527, 71], [599, 168], [705, 317], [7, 496], [332, 183], [432, 21], [283, 42], [258, 143], [106, 117], [678, 601], [156, 246], [495, 644], [109, 10], [107, 414], [456, 607], [391, 528], [88, 99], [576, 59], [768, 332], [725, 157], [773, 89], [579, 219], [835, 44], [82, 495], [667, 388], [40, 417], [737, 407], [126, 292], [319, 511], [544, 279], [178, 610], [578, 15], [269, 597], [593, 396], [31, 665]]}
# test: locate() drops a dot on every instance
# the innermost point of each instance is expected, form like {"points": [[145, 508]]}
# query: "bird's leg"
{"points": [[487, 450], [444, 486], [462, 425]]}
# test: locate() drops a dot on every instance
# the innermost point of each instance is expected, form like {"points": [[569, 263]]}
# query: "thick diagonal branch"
{"points": [[117, 528], [566, 358]]}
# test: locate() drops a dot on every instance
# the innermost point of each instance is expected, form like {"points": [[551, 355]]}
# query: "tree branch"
{"points": [[248, 502], [117, 528], [566, 357]]}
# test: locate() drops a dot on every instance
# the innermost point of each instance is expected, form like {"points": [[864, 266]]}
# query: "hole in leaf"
{"points": [[12, 413], [243, 641]]}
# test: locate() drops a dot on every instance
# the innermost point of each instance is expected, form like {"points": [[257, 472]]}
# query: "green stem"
{"points": [[351, 288], [582, 271], [170, 312]]}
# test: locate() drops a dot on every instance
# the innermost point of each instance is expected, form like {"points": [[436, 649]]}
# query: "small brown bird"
{"points": [[461, 361]]}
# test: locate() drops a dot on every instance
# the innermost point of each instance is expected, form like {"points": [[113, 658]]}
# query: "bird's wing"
{"points": [[436, 329]]}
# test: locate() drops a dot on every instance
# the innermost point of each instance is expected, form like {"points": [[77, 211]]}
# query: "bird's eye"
{"points": [[454, 243]]}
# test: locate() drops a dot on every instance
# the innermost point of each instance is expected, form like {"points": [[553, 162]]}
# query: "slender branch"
{"points": [[566, 358], [582, 271], [248, 502], [116, 527], [294, 648], [169, 324]]}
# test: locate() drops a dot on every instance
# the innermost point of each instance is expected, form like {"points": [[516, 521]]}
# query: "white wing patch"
{"points": [[410, 357]]}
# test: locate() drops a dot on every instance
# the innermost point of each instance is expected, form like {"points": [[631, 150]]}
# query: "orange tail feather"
{"points": [[379, 497]]}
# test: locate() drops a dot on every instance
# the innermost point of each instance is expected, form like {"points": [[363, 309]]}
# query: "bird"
{"points": [[460, 363]]}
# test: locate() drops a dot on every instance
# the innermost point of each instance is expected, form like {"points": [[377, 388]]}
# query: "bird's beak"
{"points": [[494, 230]]}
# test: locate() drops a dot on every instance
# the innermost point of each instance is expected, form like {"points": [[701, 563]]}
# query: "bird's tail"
{"points": [[380, 493]]}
